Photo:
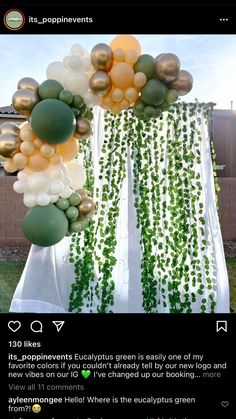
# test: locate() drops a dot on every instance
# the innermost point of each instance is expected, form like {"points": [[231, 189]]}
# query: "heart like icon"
{"points": [[14, 325], [86, 373], [225, 403]]}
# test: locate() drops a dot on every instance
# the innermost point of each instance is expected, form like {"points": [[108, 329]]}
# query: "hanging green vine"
{"points": [[177, 256], [112, 169], [177, 265], [82, 247]]}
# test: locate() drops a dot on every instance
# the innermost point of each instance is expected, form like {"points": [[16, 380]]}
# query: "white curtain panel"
{"points": [[45, 284]]}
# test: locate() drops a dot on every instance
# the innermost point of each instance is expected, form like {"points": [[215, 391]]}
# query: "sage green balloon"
{"points": [[154, 92], [139, 106], [145, 64], [72, 213], [171, 96], [45, 226], [76, 111], [83, 110], [62, 204], [50, 89], [66, 96], [149, 112], [158, 112], [89, 115], [164, 106], [78, 102], [53, 121], [74, 199]]}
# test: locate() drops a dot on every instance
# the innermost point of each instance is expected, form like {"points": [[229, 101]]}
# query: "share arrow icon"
{"points": [[59, 324]]}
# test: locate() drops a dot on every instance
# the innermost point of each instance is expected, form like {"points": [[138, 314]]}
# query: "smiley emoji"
{"points": [[36, 408]]}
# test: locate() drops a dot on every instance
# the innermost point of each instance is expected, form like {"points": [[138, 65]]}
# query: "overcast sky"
{"points": [[210, 58]]}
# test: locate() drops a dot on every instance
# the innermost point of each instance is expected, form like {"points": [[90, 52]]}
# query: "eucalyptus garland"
{"points": [[178, 267], [82, 247], [112, 167]]}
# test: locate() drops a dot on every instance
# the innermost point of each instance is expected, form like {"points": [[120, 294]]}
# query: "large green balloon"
{"points": [[50, 89], [53, 121], [45, 226], [145, 64], [153, 93]]}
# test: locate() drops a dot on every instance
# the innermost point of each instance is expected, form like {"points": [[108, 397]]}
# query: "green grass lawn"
{"points": [[10, 273]]}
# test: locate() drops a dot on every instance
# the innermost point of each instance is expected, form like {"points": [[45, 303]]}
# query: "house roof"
{"points": [[8, 110]]}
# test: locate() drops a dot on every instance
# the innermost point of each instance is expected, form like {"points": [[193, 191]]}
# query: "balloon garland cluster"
{"points": [[126, 79], [59, 114]]}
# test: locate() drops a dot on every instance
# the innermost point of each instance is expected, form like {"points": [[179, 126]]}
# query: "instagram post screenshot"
{"points": [[117, 211]]}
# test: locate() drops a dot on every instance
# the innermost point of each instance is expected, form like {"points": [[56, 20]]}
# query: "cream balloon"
{"points": [[119, 54], [76, 63], [56, 187], [66, 192], [86, 64], [20, 160], [27, 148], [140, 79], [53, 198], [29, 200], [66, 62], [77, 174], [19, 186], [38, 182], [77, 49], [91, 99], [76, 83], [43, 199], [55, 173], [9, 166], [56, 71]]}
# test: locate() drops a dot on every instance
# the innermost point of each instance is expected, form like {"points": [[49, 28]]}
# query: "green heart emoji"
{"points": [[86, 373]]}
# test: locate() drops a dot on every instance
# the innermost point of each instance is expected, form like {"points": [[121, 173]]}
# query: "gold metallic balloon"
{"points": [[8, 145], [100, 83], [167, 67], [27, 83], [83, 128], [183, 83], [84, 193], [24, 101], [87, 207], [102, 57], [9, 128]]}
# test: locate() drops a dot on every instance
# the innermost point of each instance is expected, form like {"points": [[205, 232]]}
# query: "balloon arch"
{"points": [[59, 114]]}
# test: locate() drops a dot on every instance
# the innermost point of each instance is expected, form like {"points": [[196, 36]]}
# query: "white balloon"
{"points": [[66, 192], [86, 66], [19, 186], [86, 54], [67, 181], [43, 199], [66, 61], [75, 63], [53, 198], [38, 182], [76, 83], [77, 50], [23, 175], [77, 174], [29, 200], [56, 187], [56, 71], [90, 99], [56, 174]]}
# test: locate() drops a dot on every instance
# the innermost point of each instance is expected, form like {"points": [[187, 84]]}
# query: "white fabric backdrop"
{"points": [[46, 280]]}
